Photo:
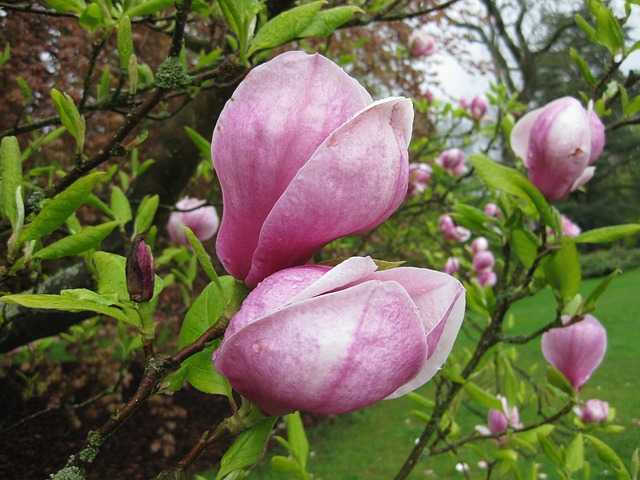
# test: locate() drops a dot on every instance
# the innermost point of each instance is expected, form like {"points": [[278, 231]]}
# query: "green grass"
{"points": [[373, 443]]}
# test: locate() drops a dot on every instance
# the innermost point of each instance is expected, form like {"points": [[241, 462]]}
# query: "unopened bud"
{"points": [[139, 270]]}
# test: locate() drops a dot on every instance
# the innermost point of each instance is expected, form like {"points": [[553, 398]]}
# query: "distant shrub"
{"points": [[603, 262]]}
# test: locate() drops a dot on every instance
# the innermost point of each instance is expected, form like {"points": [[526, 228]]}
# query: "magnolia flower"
{"points": [[483, 261], [304, 156], [428, 94], [451, 231], [486, 278], [569, 228], [334, 340], [451, 266], [558, 143], [419, 176], [139, 270], [421, 44], [499, 420], [492, 210], [593, 411], [479, 244], [452, 161], [191, 212], [478, 107], [576, 350]]}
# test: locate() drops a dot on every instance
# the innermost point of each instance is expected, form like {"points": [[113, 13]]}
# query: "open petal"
{"points": [[353, 182], [440, 299], [331, 354], [521, 133], [275, 120]]}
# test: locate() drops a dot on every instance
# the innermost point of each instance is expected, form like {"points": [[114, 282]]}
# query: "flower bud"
{"points": [[478, 107], [452, 161], [483, 261], [451, 231], [557, 143], [421, 44], [593, 411], [419, 176], [451, 266], [139, 271], [492, 210], [487, 278], [479, 244], [500, 420], [191, 212], [576, 350]]}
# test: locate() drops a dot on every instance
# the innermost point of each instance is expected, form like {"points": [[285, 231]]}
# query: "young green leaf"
{"points": [[120, 205], [325, 22], [575, 454], [27, 95], [125, 41], [482, 397], [66, 6], [608, 234], [70, 117], [54, 213], [582, 67], [92, 18], [608, 456], [148, 7], [146, 212], [78, 243], [562, 270], [558, 380], [286, 26], [246, 449], [199, 141], [11, 174]]}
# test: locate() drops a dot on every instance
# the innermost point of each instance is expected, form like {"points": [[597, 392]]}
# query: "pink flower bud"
{"points": [[451, 266], [487, 278], [139, 271], [419, 176], [428, 94], [451, 231], [569, 228], [191, 213], [576, 350], [593, 411], [421, 44], [479, 244], [483, 261], [465, 103], [500, 420], [452, 161], [334, 340], [291, 149], [478, 107], [492, 210], [557, 143]]}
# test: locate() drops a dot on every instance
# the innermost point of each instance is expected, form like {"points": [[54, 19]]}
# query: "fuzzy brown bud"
{"points": [[139, 271]]}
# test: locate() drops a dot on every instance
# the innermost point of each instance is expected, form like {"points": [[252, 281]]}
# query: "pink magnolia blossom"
{"points": [[421, 44], [483, 261], [569, 228], [478, 107], [576, 350], [428, 94], [479, 244], [492, 210], [452, 160], [419, 176], [500, 420], [334, 340], [558, 143], [593, 411], [192, 213], [451, 266], [304, 156], [451, 231], [487, 278]]}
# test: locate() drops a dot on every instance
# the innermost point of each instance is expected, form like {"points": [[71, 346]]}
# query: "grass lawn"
{"points": [[373, 443]]}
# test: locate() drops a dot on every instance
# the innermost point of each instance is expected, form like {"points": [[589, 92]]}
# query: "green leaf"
{"points": [[146, 212], [421, 400], [511, 181], [590, 302], [120, 204], [589, 31], [92, 18], [66, 6], [297, 438], [235, 11], [551, 450], [608, 456], [203, 258], [481, 396], [147, 7], [608, 30], [280, 464], [125, 41], [558, 380], [575, 454], [582, 67], [562, 270], [286, 26], [608, 234], [88, 238], [525, 245], [55, 212], [110, 269], [67, 303], [635, 463], [70, 117], [325, 22], [632, 107], [199, 141], [11, 174], [246, 449], [471, 217], [27, 95], [105, 84]]}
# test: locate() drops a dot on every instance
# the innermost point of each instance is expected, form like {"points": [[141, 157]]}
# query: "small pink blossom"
{"points": [[419, 176], [421, 44], [487, 278], [452, 160], [478, 107], [451, 231], [492, 210], [593, 411], [451, 266], [479, 244], [192, 213], [576, 350], [483, 261]]}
